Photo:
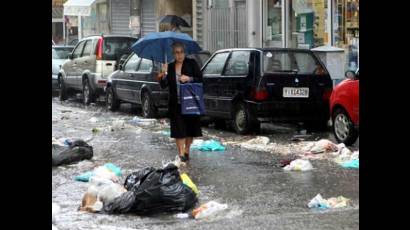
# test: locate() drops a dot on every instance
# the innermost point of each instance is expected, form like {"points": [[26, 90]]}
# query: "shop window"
{"points": [[274, 24]]}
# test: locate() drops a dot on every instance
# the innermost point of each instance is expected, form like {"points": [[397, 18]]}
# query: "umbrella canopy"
{"points": [[157, 46], [173, 19]]}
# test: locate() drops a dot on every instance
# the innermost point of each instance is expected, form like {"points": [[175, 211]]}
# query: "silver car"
{"points": [[59, 56]]}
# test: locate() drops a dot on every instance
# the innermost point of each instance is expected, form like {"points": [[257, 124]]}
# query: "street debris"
{"points": [[352, 164], [93, 120], [208, 145], [188, 182], [208, 209], [182, 215], [301, 137], [101, 190], [153, 190], [55, 209], [321, 146], [259, 143], [334, 202], [107, 171], [143, 121], [70, 151], [95, 130], [299, 165]]}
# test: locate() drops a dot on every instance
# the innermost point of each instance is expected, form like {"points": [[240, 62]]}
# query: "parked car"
{"points": [[344, 107], [135, 82], [59, 56], [200, 57], [254, 85], [93, 59]]}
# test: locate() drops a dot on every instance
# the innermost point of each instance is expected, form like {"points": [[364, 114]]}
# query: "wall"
{"points": [[181, 8]]}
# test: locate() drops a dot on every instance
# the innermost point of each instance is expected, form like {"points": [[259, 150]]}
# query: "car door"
{"points": [[85, 62], [356, 98], [124, 81], [235, 79], [142, 77], [212, 82], [70, 67]]}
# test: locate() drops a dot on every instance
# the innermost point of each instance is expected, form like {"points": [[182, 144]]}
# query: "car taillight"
{"points": [[326, 94], [100, 49], [259, 94]]}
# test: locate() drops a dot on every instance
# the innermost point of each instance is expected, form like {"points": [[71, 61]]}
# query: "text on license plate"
{"points": [[295, 92]]}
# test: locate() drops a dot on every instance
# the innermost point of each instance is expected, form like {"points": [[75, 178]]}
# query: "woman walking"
{"points": [[183, 127]]}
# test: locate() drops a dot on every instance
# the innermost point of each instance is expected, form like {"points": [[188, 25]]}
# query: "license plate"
{"points": [[295, 92]]}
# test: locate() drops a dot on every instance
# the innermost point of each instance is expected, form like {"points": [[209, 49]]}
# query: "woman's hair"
{"points": [[178, 45]]}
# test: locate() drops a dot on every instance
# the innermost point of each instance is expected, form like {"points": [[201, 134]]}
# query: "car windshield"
{"points": [[61, 52], [291, 61], [115, 47]]}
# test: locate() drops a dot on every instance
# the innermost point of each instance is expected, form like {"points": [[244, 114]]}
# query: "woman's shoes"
{"points": [[184, 158]]}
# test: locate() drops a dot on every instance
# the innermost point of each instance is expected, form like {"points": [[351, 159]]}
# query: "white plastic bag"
{"points": [[55, 209], [323, 146], [299, 165], [104, 172], [259, 143], [208, 209], [318, 202]]}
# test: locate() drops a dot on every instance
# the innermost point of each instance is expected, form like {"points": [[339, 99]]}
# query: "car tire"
{"points": [[343, 128], [62, 94], [243, 121], [111, 100], [88, 94], [148, 107]]}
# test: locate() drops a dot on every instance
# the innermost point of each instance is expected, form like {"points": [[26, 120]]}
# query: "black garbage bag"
{"points": [[76, 151], [152, 191]]}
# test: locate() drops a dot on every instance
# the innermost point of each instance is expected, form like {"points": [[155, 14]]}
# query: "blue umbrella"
{"points": [[157, 46]]}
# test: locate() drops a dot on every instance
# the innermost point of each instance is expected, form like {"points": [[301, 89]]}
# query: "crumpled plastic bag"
{"points": [[208, 209], [153, 191], [322, 146], [334, 202], [109, 171], [259, 143], [352, 164], [299, 165], [55, 209], [70, 151], [208, 145]]}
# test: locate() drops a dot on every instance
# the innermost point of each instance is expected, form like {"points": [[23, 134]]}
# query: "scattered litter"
{"points": [[299, 165], [66, 111], [55, 209], [188, 182], [321, 146], [153, 190], [283, 163], [108, 171], [208, 209], [208, 145], [64, 118], [259, 143], [95, 130], [142, 121], [334, 202], [352, 164], [93, 119], [300, 137], [182, 215], [70, 152]]}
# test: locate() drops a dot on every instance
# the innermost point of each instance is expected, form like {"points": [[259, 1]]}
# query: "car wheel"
{"points": [[343, 127], [111, 100], [243, 121], [62, 95], [148, 108], [88, 94]]}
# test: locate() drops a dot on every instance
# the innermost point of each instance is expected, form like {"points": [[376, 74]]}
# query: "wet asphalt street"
{"points": [[259, 194]]}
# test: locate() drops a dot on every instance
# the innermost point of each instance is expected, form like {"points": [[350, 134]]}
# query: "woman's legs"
{"points": [[188, 142], [180, 145]]}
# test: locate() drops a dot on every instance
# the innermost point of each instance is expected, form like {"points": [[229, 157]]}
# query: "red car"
{"points": [[344, 108]]}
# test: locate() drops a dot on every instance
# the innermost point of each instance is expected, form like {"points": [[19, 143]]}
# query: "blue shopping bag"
{"points": [[192, 99]]}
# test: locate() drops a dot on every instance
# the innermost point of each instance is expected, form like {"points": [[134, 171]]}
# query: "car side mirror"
{"points": [[350, 75]]}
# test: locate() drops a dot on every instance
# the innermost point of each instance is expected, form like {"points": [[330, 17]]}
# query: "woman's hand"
{"points": [[160, 76], [184, 78]]}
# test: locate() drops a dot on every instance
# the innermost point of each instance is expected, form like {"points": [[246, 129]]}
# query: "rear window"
{"points": [[61, 53], [285, 61], [115, 47]]}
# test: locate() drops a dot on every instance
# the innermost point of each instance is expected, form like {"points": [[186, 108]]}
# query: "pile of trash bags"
{"points": [[147, 191], [67, 151]]}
